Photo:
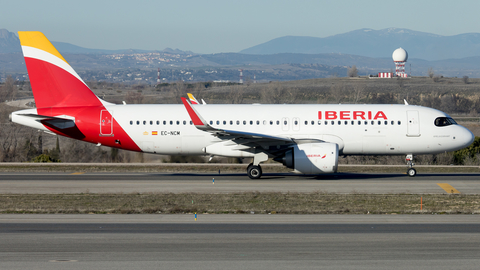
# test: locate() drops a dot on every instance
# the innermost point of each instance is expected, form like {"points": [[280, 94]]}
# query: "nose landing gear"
{"points": [[411, 171]]}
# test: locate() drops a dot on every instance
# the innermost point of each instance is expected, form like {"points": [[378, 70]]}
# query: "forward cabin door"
{"points": [[106, 123], [413, 124]]}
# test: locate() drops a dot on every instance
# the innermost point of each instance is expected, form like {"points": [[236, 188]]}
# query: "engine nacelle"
{"points": [[312, 158]]}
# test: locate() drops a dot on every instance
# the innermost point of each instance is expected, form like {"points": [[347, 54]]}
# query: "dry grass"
{"points": [[239, 203]]}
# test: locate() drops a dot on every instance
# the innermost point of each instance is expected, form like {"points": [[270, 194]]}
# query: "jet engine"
{"points": [[311, 158]]}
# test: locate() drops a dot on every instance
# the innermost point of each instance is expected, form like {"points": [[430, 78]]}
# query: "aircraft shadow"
{"points": [[323, 177], [285, 176]]}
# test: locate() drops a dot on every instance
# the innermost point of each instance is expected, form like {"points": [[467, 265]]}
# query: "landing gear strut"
{"points": [[254, 171], [411, 171]]}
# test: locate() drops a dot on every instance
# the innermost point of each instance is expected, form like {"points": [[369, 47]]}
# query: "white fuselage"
{"points": [[398, 129]]}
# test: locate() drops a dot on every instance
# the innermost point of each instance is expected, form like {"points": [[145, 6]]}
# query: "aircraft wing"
{"points": [[201, 124]]}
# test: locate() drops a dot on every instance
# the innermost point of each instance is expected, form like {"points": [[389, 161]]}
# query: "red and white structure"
{"points": [[385, 74], [400, 57]]}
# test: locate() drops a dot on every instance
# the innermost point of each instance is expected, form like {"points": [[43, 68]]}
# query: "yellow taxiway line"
{"points": [[448, 188]]}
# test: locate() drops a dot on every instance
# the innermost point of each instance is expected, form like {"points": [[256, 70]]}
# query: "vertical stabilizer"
{"points": [[54, 82]]}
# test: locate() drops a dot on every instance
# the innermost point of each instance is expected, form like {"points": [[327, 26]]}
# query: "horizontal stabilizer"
{"points": [[57, 123]]}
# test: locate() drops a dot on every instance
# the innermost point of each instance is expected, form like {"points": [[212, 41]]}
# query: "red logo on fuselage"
{"points": [[351, 115]]}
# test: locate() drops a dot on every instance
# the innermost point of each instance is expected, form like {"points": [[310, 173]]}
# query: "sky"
{"points": [[212, 26]]}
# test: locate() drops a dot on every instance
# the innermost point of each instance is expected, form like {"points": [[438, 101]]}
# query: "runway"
{"points": [[238, 242], [379, 183]]}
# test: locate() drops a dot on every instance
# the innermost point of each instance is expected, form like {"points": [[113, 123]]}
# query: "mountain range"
{"points": [[370, 50], [9, 43], [377, 43]]}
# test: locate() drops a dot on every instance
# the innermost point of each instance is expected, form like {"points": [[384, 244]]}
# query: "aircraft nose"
{"points": [[465, 137]]}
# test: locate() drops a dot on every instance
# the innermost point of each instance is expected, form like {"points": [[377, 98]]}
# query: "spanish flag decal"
{"points": [[154, 132]]}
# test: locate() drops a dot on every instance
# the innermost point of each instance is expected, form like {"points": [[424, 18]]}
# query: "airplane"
{"points": [[307, 138], [194, 101]]}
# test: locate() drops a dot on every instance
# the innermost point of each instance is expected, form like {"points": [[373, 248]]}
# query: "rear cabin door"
{"points": [[106, 123]]}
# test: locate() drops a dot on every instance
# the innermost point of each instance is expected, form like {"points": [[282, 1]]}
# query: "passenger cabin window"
{"points": [[131, 122], [444, 121]]}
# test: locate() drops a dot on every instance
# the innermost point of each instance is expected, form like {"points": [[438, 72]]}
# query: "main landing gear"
{"points": [[254, 171], [411, 171]]}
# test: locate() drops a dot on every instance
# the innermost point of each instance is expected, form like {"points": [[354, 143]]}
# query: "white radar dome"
{"points": [[400, 55]]}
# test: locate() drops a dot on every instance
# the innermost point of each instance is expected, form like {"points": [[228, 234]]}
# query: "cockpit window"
{"points": [[444, 121]]}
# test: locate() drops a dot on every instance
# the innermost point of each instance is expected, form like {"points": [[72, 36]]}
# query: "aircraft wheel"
{"points": [[254, 172], [411, 172]]}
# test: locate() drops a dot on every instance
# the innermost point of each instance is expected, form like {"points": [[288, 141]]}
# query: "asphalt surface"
{"points": [[238, 242], [466, 183]]}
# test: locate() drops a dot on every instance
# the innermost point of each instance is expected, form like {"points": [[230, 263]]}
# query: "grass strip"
{"points": [[239, 203]]}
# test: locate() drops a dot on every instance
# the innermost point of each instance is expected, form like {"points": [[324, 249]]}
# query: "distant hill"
{"points": [[377, 43], [9, 43]]}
